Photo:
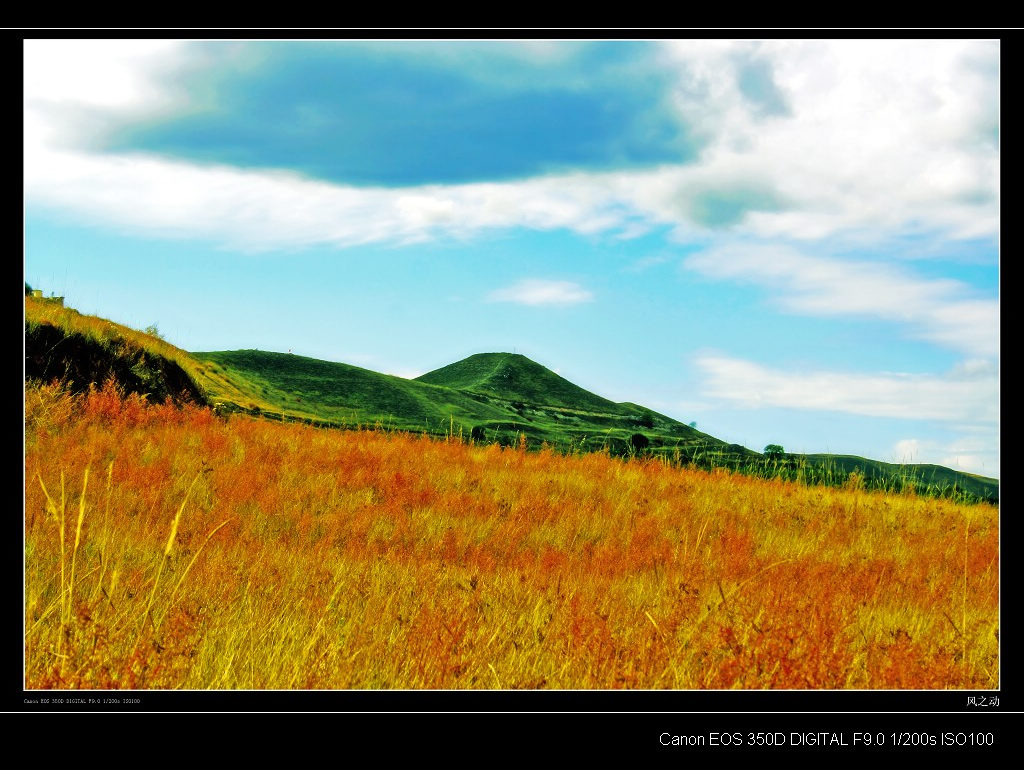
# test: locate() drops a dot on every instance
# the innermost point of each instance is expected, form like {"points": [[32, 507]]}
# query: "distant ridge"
{"points": [[506, 397], [502, 398]]}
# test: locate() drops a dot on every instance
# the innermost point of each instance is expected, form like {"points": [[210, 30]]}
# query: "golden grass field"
{"points": [[167, 548]]}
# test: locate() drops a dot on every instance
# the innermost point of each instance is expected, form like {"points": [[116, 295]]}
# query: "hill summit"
{"points": [[515, 377]]}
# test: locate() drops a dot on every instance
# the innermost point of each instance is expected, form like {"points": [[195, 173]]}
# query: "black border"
{"points": [[578, 722]]}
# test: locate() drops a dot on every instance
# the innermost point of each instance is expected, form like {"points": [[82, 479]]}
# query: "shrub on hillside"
{"points": [[639, 442]]}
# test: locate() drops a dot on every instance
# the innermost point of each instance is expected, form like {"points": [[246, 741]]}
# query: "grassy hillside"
{"points": [[342, 394], [500, 398], [923, 476], [504, 400], [63, 344]]}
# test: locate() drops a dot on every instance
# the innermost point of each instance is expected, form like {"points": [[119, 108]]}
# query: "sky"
{"points": [[785, 241]]}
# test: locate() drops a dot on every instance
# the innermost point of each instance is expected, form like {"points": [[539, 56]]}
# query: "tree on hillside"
{"points": [[28, 289], [774, 452]]}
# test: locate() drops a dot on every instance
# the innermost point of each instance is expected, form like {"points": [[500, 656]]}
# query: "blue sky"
{"points": [[786, 241]]}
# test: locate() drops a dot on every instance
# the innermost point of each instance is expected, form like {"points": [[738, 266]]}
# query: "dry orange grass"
{"points": [[167, 548]]}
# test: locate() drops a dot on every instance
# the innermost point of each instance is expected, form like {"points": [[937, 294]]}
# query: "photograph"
{"points": [[533, 374]]}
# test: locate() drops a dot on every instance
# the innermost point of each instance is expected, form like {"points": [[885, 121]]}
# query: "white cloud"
{"points": [[943, 311], [262, 210], [115, 74], [537, 292], [405, 374], [907, 450], [75, 88], [889, 134], [646, 263], [877, 137], [959, 396], [972, 454], [977, 454]]}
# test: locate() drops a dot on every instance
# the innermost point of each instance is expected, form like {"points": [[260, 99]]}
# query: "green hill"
{"points": [[503, 398], [343, 394], [515, 377]]}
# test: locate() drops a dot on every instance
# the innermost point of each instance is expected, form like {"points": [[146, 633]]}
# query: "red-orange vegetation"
{"points": [[249, 554]]}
